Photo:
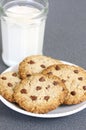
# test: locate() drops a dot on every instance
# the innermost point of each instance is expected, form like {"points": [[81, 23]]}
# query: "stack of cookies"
{"points": [[43, 83]]}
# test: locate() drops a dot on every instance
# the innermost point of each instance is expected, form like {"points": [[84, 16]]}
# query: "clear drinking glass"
{"points": [[22, 27]]}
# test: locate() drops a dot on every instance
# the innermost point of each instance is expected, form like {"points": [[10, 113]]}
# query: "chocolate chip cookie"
{"points": [[8, 81], [74, 78], [35, 64], [40, 93]]}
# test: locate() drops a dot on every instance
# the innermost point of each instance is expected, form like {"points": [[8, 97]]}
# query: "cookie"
{"points": [[74, 78], [35, 64], [8, 81], [40, 93]]}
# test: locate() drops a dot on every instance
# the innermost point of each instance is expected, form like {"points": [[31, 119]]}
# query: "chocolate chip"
{"points": [[48, 87], [14, 74], [57, 67], [73, 93], [23, 91], [63, 80], [4, 78], [43, 66], [80, 78], [46, 98], [55, 83], [33, 98], [38, 88], [49, 73], [63, 89], [42, 79], [84, 87], [10, 84], [76, 71], [28, 75], [31, 62]]}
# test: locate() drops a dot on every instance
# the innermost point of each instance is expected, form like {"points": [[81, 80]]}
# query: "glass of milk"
{"points": [[22, 27]]}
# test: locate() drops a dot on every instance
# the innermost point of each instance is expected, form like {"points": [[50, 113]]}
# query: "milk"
{"points": [[21, 35]]}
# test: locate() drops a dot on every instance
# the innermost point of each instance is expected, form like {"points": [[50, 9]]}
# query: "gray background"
{"points": [[65, 38]]}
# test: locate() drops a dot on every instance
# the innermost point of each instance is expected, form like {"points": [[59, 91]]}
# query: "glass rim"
{"points": [[43, 12]]}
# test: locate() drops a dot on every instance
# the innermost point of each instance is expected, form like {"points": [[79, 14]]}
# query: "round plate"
{"points": [[61, 111]]}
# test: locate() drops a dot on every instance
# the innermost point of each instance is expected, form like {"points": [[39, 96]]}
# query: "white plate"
{"points": [[59, 112]]}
